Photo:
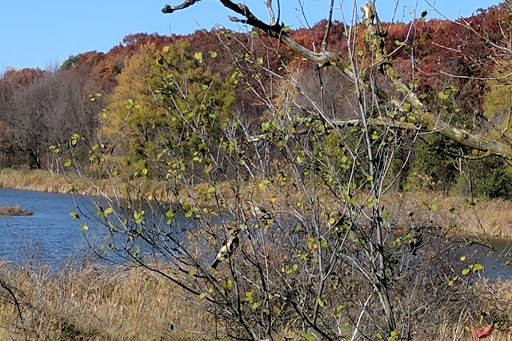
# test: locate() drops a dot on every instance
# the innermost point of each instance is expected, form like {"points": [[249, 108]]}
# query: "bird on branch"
{"points": [[415, 243], [368, 12], [259, 212], [231, 244], [336, 219], [416, 238], [336, 222]]}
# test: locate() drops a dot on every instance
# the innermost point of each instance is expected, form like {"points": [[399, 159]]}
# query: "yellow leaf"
{"points": [[198, 56], [262, 185], [477, 267]]}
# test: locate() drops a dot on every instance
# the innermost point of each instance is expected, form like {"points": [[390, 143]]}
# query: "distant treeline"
{"points": [[97, 96]]}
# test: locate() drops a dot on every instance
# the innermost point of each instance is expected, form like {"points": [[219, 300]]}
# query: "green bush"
{"points": [[434, 165], [490, 177]]}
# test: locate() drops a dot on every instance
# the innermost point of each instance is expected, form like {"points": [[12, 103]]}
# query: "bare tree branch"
{"points": [[328, 26], [185, 4], [275, 30], [430, 121], [271, 12]]}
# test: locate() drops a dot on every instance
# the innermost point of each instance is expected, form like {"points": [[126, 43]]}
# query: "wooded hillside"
{"points": [[460, 67]]}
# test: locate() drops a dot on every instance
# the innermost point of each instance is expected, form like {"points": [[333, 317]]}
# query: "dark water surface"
{"points": [[498, 262]]}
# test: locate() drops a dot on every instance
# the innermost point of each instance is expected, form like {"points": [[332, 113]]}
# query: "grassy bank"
{"points": [[122, 304], [481, 216], [44, 181], [492, 217]]}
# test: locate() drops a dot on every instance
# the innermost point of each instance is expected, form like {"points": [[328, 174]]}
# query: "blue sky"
{"points": [[45, 33]]}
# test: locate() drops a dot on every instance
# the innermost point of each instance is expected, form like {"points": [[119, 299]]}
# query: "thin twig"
{"points": [[328, 26]]}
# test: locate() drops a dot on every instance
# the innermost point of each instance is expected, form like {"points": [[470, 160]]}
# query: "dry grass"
{"points": [[492, 217], [97, 303], [44, 181], [35, 180], [14, 210], [495, 299]]}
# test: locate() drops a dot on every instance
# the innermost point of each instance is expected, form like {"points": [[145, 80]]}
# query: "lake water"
{"points": [[50, 235], [53, 237]]}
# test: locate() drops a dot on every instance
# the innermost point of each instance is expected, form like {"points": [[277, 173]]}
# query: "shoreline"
{"points": [[491, 217]]}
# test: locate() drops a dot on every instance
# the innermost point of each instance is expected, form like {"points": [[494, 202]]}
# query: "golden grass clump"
{"points": [[14, 210], [480, 216]]}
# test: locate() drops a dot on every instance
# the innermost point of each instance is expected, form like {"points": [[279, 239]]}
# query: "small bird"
{"points": [[336, 223], [368, 12], [336, 219], [259, 212], [423, 15], [228, 248], [415, 243]]}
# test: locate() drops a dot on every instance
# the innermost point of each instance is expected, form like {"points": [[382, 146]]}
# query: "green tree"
{"points": [[167, 99], [434, 165], [70, 63]]}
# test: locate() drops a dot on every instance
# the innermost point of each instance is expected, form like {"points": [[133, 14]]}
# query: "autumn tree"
{"points": [[41, 109], [167, 99]]}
